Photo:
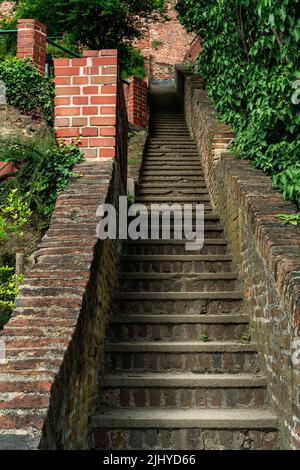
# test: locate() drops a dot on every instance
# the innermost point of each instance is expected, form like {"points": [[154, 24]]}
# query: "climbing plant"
{"points": [[250, 61]]}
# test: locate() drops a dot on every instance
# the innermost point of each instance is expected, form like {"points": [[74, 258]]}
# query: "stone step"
{"points": [[183, 185], [173, 148], [210, 230], [157, 429], [176, 282], [176, 263], [165, 159], [174, 200], [178, 328], [177, 180], [168, 135], [156, 210], [227, 295], [171, 172], [183, 390], [165, 132], [159, 145], [171, 164], [172, 247], [172, 175], [145, 191], [210, 217], [162, 303], [175, 140], [194, 356], [227, 276]]}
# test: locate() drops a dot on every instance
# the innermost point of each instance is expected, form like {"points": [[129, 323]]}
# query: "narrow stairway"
{"points": [[181, 371]]}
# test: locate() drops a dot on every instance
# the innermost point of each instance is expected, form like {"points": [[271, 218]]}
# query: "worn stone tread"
{"points": [[180, 319], [184, 379], [175, 347], [205, 418]]}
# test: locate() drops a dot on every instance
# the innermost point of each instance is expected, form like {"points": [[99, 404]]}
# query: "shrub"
{"points": [[8, 292], [132, 62], [14, 214], [43, 169], [26, 89]]}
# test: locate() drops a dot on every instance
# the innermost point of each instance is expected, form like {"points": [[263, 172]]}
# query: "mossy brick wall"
{"points": [[266, 252]]}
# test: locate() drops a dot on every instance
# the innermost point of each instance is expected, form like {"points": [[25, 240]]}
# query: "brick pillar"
{"points": [[32, 37], [137, 101], [86, 92]]}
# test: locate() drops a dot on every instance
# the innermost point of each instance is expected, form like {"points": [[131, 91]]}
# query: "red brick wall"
{"points": [[167, 43], [86, 100], [136, 94], [32, 37], [194, 51], [6, 168]]}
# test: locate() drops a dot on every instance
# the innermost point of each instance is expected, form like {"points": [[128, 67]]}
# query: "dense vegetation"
{"points": [[249, 61], [27, 89], [97, 24], [42, 169], [27, 198]]}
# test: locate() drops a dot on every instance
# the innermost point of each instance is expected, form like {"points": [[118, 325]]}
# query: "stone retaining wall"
{"points": [[266, 253]]}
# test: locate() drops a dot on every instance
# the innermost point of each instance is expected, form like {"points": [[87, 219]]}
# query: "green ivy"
{"points": [[27, 89], [8, 292], [249, 61]]}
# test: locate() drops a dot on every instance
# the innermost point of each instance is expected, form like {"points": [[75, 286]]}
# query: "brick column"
{"points": [[137, 101], [86, 92], [32, 37]]}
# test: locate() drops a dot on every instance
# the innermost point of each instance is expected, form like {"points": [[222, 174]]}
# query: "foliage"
{"points": [[288, 181], [43, 171], [249, 61], [14, 214], [26, 89], [8, 42], [8, 292], [96, 24], [132, 62], [293, 219]]}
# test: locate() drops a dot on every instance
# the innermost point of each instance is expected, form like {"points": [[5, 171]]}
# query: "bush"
{"points": [[14, 214], [26, 89], [43, 169], [249, 60], [132, 62], [8, 292]]}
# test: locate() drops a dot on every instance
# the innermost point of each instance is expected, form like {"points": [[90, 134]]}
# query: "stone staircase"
{"points": [[181, 371]]}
